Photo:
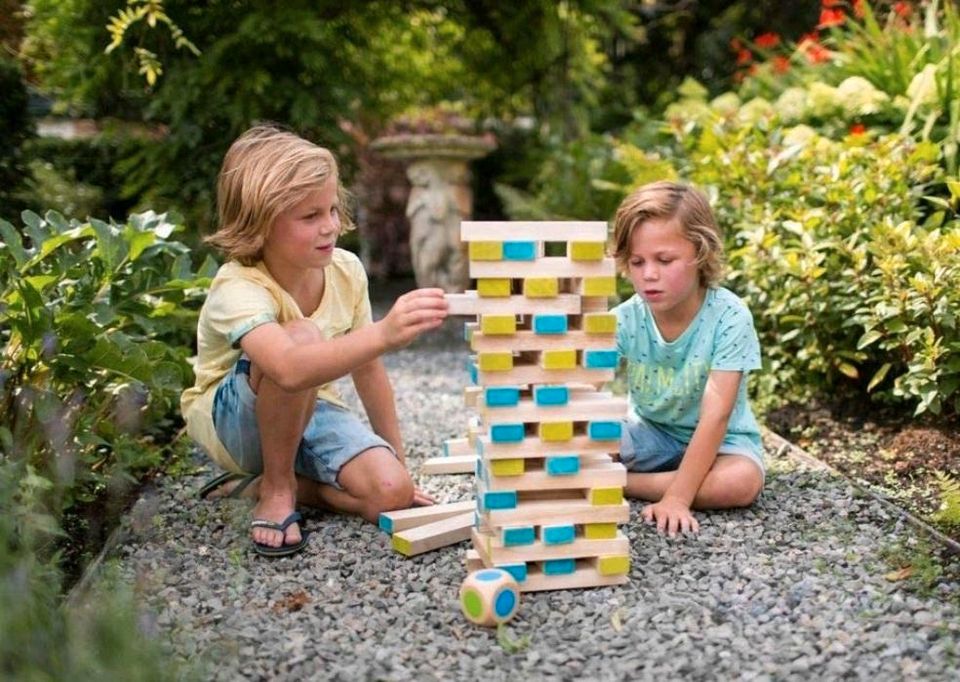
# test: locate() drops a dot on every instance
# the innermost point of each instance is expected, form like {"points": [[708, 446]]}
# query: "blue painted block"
{"points": [[559, 566], [507, 433], [551, 395], [480, 470], [559, 535], [518, 571], [386, 524], [479, 447], [501, 396], [563, 465], [549, 324], [519, 250], [519, 535], [603, 430], [499, 499], [474, 375], [600, 359], [476, 519]]}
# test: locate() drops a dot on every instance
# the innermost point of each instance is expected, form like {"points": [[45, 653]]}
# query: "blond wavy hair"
{"points": [[672, 200], [266, 171]]}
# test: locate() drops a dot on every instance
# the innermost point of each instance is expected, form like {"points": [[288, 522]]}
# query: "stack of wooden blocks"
{"points": [[549, 495]]}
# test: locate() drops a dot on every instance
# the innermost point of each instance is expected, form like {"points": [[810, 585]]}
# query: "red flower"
{"points": [[902, 9], [831, 17], [831, 3], [767, 41], [781, 64], [811, 37], [858, 10], [735, 44], [744, 56], [858, 129], [815, 52]]}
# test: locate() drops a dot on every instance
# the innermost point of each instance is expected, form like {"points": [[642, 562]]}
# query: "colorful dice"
{"points": [[489, 597]]}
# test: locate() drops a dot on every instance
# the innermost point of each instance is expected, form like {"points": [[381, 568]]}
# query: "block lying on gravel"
{"points": [[434, 535], [402, 519]]}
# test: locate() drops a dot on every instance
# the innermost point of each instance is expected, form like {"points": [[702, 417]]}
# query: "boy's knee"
{"points": [[748, 490], [392, 492]]}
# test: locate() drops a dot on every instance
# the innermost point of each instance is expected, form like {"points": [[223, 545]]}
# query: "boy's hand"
{"points": [[422, 499], [413, 313], [671, 515]]}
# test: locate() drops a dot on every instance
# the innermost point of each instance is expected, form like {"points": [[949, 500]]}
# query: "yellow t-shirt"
{"points": [[242, 298]]}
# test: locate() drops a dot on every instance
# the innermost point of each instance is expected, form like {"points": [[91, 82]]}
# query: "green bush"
{"points": [[99, 323], [852, 290]]}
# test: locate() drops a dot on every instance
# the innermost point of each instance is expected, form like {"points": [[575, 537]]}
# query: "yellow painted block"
{"points": [[493, 286], [599, 286], [541, 287], [506, 467], [600, 323], [486, 250], [495, 361], [613, 565], [556, 431], [605, 496], [498, 324], [558, 359], [401, 545], [585, 250], [599, 531]]}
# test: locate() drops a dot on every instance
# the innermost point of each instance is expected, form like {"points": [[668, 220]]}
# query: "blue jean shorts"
{"points": [[646, 448], [333, 437]]}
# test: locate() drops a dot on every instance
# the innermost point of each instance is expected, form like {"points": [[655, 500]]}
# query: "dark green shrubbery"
{"points": [[15, 129]]}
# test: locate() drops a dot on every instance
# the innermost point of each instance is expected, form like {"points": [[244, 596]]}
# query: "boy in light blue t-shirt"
{"points": [[690, 439]]}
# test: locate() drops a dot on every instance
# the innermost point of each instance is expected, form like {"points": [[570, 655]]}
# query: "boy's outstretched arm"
{"points": [[297, 366], [672, 513], [376, 393]]}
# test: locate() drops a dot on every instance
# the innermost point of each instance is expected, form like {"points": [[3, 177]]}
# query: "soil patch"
{"points": [[902, 459]]}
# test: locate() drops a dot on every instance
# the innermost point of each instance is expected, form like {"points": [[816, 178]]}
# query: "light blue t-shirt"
{"points": [[666, 380]]}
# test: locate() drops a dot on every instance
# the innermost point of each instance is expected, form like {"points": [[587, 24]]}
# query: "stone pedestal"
{"points": [[440, 197]]}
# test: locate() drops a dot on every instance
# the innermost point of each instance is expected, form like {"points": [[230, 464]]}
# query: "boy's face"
{"points": [[663, 268], [304, 235]]}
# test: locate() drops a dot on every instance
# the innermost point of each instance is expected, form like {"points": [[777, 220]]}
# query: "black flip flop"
{"points": [[282, 550], [223, 479]]}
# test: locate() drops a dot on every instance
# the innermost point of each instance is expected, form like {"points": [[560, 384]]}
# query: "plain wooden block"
{"points": [[402, 519], [456, 464], [469, 303], [434, 535]]}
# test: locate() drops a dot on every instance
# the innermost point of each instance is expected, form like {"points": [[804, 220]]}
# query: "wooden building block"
{"points": [[606, 496], [549, 266], [472, 395], [551, 395], [507, 467], [540, 287], [614, 565], [531, 374], [585, 575], [516, 536], [458, 446], [549, 324], [485, 251], [498, 361], [456, 464], [562, 465], [576, 510], [519, 251], [594, 304], [604, 430], [469, 303], [511, 432], [529, 340], [598, 286], [493, 287], [495, 552], [599, 531], [538, 230], [402, 519], [533, 447], [588, 251], [501, 396], [563, 358], [600, 323], [559, 534], [498, 324], [601, 359], [596, 476], [583, 407], [555, 431], [434, 535]]}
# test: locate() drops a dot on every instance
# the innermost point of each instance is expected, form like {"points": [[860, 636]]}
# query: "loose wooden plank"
{"points": [[402, 519], [469, 303], [456, 464], [434, 535]]}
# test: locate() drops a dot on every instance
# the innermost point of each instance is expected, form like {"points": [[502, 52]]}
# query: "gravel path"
{"points": [[792, 588]]}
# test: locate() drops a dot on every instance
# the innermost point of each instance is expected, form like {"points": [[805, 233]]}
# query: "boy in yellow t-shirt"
{"points": [[285, 316]]}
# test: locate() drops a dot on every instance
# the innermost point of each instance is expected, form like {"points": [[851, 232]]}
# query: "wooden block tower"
{"points": [[549, 496]]}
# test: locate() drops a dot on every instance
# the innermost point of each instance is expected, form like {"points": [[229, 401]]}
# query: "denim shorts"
{"points": [[333, 437], [646, 448]]}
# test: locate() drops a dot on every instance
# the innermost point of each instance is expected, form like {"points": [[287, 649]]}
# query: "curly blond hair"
{"points": [[672, 200], [266, 171]]}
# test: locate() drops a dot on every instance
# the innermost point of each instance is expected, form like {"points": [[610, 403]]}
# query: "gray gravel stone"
{"points": [[792, 588]]}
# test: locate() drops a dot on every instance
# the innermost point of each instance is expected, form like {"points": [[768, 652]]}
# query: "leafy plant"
{"points": [[949, 512], [99, 322]]}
